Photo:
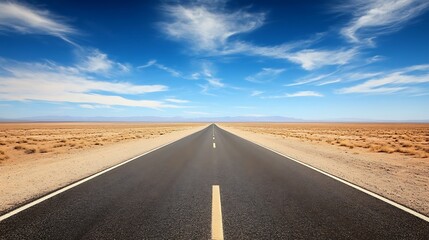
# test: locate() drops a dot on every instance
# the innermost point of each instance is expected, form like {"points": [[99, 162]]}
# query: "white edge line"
{"points": [[50, 195], [395, 204]]}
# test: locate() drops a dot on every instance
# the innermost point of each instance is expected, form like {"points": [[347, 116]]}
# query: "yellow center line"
{"points": [[217, 227]]}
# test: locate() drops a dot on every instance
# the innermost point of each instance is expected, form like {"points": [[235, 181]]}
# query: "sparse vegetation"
{"points": [[43, 150], [30, 151], [407, 139], [31, 140]]}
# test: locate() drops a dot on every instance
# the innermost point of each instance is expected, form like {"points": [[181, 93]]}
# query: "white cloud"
{"points": [[95, 61], [311, 59], [208, 75], [207, 26], [329, 82], [195, 76], [173, 72], [25, 19], [346, 74], [169, 70], [215, 82], [266, 75], [124, 67], [374, 17], [298, 94], [310, 79], [304, 94], [392, 82], [175, 100], [41, 82], [148, 64], [207, 69], [373, 59], [256, 93], [93, 106], [205, 88]]}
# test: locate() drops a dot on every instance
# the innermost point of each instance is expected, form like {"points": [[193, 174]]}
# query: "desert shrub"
{"points": [[30, 151], [43, 150], [18, 147], [386, 149], [403, 144]]}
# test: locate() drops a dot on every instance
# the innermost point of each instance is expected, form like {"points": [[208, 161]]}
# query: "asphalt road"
{"points": [[167, 194]]}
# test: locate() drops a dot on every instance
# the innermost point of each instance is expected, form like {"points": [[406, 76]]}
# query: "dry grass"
{"points": [[406, 139], [27, 141]]}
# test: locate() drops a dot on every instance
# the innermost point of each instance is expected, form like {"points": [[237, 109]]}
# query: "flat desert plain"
{"points": [[31, 141], [36, 158], [389, 159]]}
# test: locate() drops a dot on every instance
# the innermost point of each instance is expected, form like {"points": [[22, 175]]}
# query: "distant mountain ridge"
{"points": [[194, 119]]}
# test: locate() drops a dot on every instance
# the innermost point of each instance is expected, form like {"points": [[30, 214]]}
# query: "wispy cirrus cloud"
{"points": [[175, 100], [215, 82], [52, 83], [346, 74], [310, 79], [26, 19], [212, 82], [304, 94], [213, 30], [169, 70], [265, 75], [297, 94], [256, 93], [97, 62], [329, 82], [208, 27], [311, 59], [374, 17], [392, 82]]}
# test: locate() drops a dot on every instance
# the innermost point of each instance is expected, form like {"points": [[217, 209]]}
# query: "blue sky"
{"points": [[315, 60]]}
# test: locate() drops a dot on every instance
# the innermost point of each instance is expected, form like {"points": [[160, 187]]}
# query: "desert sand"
{"points": [[388, 159], [40, 157]]}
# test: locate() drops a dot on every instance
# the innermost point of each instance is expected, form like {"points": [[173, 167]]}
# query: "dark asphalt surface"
{"points": [[166, 194]]}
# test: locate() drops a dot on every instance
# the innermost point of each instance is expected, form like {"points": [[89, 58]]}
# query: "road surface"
{"points": [[213, 179]]}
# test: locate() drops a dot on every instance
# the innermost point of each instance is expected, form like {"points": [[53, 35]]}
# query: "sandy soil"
{"points": [[32, 141], [26, 175], [402, 176]]}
